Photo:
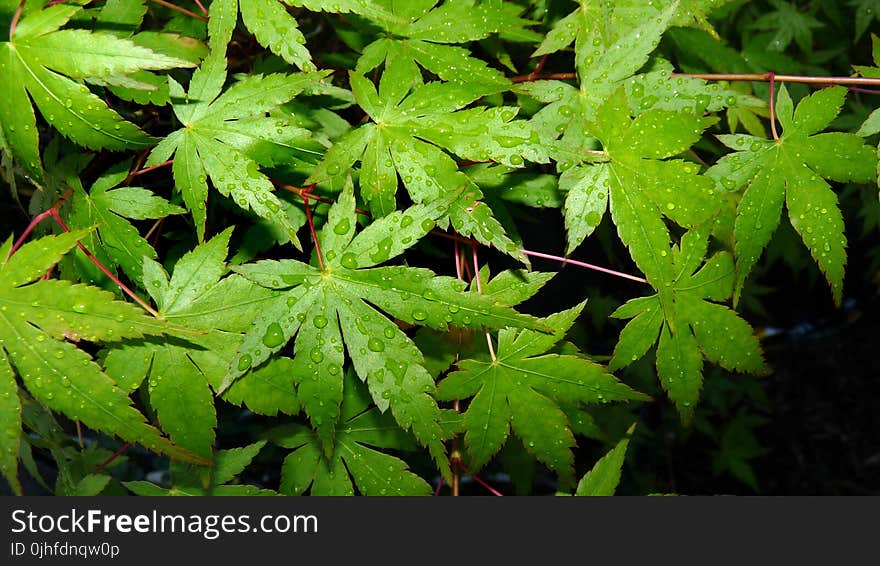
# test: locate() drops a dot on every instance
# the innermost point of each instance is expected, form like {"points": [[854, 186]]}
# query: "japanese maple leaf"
{"points": [[329, 311], [690, 324], [44, 63], [792, 170], [116, 242], [38, 321], [220, 134], [609, 21], [180, 375], [521, 389], [633, 177], [355, 461], [407, 140], [417, 34]]}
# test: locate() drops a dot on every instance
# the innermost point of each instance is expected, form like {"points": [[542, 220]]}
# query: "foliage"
{"points": [[279, 184]]}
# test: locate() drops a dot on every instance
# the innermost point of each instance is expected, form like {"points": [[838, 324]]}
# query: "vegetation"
{"points": [[286, 246]]}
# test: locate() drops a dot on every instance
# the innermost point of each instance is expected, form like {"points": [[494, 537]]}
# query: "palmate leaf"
{"points": [[615, 19], [789, 23], [35, 320], [44, 63], [222, 135], [407, 139], [329, 311], [116, 242], [354, 460], [227, 465], [642, 187], [419, 34], [603, 62], [689, 323], [180, 375], [521, 390], [792, 170]]}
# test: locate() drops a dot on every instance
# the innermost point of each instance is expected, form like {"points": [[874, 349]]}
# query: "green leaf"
{"points": [[408, 140], [180, 376], [522, 387], [186, 481], [10, 424], [643, 188], [275, 28], [116, 242], [219, 134], [229, 463], [35, 318], [688, 324], [602, 480], [44, 62], [793, 170], [330, 307], [354, 461]]}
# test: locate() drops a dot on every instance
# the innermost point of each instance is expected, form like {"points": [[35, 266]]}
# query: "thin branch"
{"points": [[585, 265], [531, 77], [176, 8], [772, 77], [863, 90], [732, 77]]}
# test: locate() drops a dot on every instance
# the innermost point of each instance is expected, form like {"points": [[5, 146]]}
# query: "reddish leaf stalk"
{"points": [[491, 489], [15, 18], [149, 169], [58, 220], [731, 77], [773, 106], [306, 194], [201, 7], [37, 219], [100, 467], [54, 214], [585, 265], [480, 290], [176, 8]]}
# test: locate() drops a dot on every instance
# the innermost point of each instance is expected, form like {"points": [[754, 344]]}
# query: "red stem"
{"points": [[586, 265], [184, 11], [491, 489], [306, 194], [773, 106], [58, 220], [152, 168], [15, 18], [201, 7], [112, 458]]}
